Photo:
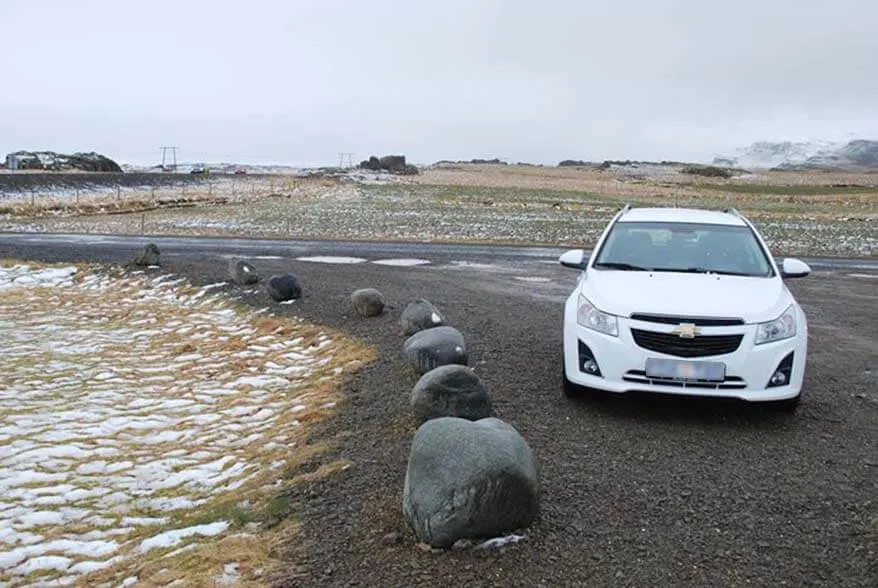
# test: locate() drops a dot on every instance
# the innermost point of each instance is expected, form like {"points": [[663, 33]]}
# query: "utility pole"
{"points": [[345, 157], [173, 166]]}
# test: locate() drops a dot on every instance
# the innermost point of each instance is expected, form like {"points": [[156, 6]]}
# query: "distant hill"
{"points": [[858, 155], [51, 161]]}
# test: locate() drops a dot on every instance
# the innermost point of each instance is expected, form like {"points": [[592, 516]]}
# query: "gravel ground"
{"points": [[636, 490]]}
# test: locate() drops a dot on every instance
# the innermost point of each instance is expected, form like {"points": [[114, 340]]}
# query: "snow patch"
{"points": [[332, 259], [411, 262], [500, 541], [171, 538]]}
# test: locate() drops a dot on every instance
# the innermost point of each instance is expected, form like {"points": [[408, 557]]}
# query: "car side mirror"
{"points": [[794, 268], [575, 258]]}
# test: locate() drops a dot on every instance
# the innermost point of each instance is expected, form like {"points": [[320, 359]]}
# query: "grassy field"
{"points": [[799, 213]]}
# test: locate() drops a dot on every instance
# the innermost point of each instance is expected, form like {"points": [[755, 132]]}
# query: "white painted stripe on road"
{"points": [[532, 279], [331, 259], [401, 262], [866, 276]]}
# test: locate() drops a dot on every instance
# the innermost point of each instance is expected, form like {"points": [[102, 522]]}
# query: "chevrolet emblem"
{"points": [[687, 330]]}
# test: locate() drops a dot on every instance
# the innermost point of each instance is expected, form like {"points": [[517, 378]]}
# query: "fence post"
{"points": [[184, 190], [77, 195], [152, 190], [142, 222], [118, 193], [33, 198]]}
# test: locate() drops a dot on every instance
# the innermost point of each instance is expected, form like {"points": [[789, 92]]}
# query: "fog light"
{"points": [[783, 374], [587, 362], [778, 379], [589, 366]]}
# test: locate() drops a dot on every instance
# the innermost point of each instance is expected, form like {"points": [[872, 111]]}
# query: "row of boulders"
{"points": [[469, 475], [280, 287]]}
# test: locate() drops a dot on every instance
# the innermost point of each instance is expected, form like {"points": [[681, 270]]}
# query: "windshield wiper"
{"points": [[621, 266], [702, 270]]}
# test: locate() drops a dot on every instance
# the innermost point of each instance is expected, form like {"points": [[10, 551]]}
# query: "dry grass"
{"points": [[799, 213], [128, 300]]}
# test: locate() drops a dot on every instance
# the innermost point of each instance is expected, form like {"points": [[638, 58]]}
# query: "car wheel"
{"points": [[788, 405]]}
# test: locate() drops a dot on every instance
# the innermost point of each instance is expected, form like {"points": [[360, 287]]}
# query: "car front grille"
{"points": [[640, 377], [698, 346]]}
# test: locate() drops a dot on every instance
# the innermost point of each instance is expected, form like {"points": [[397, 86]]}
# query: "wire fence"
{"points": [[37, 201]]}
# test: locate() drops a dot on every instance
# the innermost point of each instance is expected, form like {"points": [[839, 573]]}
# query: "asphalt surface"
{"points": [[636, 491]]}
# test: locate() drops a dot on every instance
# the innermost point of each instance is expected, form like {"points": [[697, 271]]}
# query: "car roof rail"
{"points": [[733, 211], [625, 208]]}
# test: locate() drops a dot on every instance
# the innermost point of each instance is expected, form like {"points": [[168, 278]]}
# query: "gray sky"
{"points": [[298, 81]]}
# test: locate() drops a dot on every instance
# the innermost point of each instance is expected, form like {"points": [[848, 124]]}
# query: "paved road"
{"points": [[434, 252], [635, 491]]}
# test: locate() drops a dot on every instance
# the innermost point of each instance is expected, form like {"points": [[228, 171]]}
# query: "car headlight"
{"points": [[780, 328], [589, 316]]}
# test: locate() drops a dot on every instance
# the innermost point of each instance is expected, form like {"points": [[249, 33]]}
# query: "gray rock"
{"points": [[243, 273], [419, 315], [469, 480], [367, 302], [391, 539], [426, 350], [450, 391], [283, 287], [148, 256]]}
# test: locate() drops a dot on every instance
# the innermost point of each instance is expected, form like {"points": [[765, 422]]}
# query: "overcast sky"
{"points": [[298, 81]]}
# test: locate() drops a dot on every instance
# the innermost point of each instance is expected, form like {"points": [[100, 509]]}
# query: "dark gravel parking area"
{"points": [[636, 491]]}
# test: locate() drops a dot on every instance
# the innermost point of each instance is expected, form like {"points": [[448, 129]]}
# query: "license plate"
{"points": [[703, 371]]}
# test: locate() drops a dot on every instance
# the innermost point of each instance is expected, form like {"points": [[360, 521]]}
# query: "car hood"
{"points": [[707, 295]]}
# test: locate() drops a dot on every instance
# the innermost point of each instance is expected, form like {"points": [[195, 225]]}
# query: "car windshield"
{"points": [[683, 247]]}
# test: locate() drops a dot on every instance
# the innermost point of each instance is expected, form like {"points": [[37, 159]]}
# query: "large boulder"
{"points": [[283, 287], [469, 480], [419, 315], [148, 256], [450, 391], [243, 273], [367, 302], [426, 350]]}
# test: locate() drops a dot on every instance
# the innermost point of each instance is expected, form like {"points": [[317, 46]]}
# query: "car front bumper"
{"points": [[622, 363]]}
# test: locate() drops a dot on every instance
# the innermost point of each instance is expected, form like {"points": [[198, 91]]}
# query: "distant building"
{"points": [[12, 161]]}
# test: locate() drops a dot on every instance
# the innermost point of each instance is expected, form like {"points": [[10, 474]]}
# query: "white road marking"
{"points": [[331, 259], [411, 262]]}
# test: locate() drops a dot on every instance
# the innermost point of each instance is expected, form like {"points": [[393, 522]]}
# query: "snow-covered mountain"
{"points": [[767, 155], [854, 155]]}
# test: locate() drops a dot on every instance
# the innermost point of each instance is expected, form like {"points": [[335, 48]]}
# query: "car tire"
{"points": [[787, 405], [570, 389]]}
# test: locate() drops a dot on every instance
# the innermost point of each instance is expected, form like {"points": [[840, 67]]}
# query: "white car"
{"points": [[684, 301]]}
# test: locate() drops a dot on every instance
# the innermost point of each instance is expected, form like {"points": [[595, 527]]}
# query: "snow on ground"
{"points": [[125, 401], [408, 262]]}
